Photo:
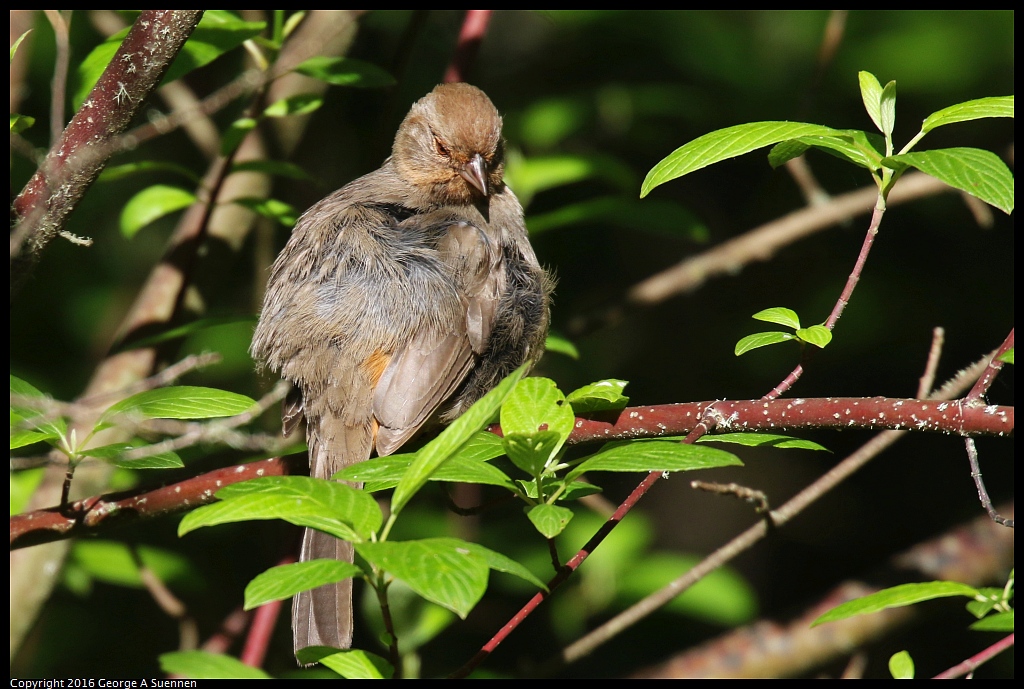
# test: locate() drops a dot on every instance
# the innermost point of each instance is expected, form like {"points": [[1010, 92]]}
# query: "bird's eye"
{"points": [[442, 150]]}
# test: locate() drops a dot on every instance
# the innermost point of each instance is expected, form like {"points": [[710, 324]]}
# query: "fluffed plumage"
{"points": [[403, 296]]}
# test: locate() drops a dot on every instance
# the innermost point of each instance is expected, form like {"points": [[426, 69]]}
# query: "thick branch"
{"points": [[93, 514], [875, 413]]}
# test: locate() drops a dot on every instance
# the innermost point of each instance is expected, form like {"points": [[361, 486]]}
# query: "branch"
{"points": [[96, 514], [975, 553], [74, 162], [876, 413]]}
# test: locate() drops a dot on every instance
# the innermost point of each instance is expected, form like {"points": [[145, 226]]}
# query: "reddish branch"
{"points": [[73, 164], [474, 27], [953, 417], [875, 413], [90, 514]]}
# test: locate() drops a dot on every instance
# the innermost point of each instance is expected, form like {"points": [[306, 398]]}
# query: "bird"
{"points": [[400, 299]]}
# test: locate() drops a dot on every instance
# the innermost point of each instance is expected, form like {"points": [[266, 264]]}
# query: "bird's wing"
{"points": [[428, 369]]}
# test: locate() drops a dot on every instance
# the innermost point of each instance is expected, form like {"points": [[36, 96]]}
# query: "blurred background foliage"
{"points": [[592, 100]]}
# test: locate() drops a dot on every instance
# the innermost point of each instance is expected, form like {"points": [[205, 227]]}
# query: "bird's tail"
{"points": [[323, 616]]}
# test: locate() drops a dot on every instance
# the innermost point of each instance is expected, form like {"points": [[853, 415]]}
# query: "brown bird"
{"points": [[402, 297]]}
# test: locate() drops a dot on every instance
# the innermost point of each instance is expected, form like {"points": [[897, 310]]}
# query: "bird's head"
{"points": [[449, 145]]}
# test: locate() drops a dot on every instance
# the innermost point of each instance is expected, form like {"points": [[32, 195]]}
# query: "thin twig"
{"points": [[757, 498], [975, 661], [977, 393], [927, 379], [59, 20], [986, 502], [844, 297]]}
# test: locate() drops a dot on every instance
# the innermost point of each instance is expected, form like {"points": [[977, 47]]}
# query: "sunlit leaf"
{"points": [[724, 144], [901, 666], [549, 520], [997, 106], [151, 204], [817, 335], [284, 581], [978, 172], [780, 316], [761, 340], [871, 95], [182, 402], [895, 597], [204, 665], [350, 664]]}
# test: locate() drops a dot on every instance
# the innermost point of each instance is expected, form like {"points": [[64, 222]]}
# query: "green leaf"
{"points": [[204, 665], [218, 32], [182, 402], [20, 123], [763, 440], [502, 563], [442, 570], [345, 71], [722, 598], [115, 563], [536, 404], [382, 473], [531, 176], [23, 438], [301, 104], [817, 335], [600, 396], [761, 340], [350, 664], [901, 666], [151, 204], [997, 106], [278, 168], [853, 146], [871, 95], [561, 345], [987, 599], [999, 622], [532, 452], [116, 172], [283, 213], [780, 316], [237, 131], [896, 597], [979, 173], [1007, 356], [50, 428], [283, 582], [887, 108], [14, 46], [549, 520], [724, 144], [331, 507], [654, 455], [196, 326], [433, 454], [112, 453], [23, 485]]}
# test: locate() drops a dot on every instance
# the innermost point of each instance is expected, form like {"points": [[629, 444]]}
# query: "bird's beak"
{"points": [[475, 172]]}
